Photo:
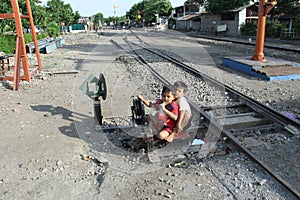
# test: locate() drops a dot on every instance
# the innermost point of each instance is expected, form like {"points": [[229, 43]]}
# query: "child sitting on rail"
{"points": [[185, 114], [167, 113]]}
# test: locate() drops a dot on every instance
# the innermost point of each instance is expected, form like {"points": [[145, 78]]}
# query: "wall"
{"points": [[210, 22], [187, 25]]}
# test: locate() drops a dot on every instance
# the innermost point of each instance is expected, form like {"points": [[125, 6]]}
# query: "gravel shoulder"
{"points": [[47, 140]]}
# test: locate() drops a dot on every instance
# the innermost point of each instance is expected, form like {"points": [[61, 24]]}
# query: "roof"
{"points": [[241, 8], [189, 17]]}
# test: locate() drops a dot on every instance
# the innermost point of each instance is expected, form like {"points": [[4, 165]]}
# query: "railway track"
{"points": [[233, 118], [283, 47], [279, 45]]}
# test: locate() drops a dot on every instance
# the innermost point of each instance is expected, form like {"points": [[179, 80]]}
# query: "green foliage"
{"points": [[98, 17], [132, 14], [28, 37], [113, 19], [171, 22], [76, 16], [273, 29], [218, 7], [56, 10], [148, 9], [297, 25], [9, 24], [249, 29], [152, 7], [289, 7], [8, 42], [60, 12], [53, 29]]}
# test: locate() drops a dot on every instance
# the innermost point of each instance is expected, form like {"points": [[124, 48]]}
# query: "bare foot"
{"points": [[170, 138], [182, 135]]}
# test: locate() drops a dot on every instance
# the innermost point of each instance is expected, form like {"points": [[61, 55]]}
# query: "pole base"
{"points": [[260, 58]]}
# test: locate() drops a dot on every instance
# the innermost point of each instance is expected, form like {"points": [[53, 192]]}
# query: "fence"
{"points": [[290, 33]]}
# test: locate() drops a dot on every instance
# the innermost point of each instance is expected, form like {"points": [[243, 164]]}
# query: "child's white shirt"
{"points": [[183, 104]]}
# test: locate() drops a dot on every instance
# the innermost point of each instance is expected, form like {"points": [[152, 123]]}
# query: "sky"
{"points": [[106, 7]]}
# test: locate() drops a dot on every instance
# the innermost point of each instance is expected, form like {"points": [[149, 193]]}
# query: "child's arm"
{"points": [[170, 114], [179, 121], [147, 103]]}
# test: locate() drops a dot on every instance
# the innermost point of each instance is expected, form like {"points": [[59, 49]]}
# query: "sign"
{"points": [[221, 28]]}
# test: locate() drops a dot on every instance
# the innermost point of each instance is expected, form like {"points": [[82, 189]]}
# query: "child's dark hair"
{"points": [[180, 84], [168, 88]]}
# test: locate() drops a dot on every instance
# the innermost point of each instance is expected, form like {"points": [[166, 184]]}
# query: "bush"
{"points": [[273, 29], [53, 29], [248, 29], [171, 22], [8, 42], [296, 24]]}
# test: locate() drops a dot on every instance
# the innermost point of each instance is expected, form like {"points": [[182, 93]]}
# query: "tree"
{"points": [[67, 15], [153, 7], [132, 14], [218, 7], [40, 16], [200, 2], [9, 24], [59, 12], [148, 9], [98, 18], [76, 16], [290, 7]]}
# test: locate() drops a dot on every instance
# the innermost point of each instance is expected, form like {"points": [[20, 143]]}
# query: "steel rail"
{"points": [[236, 41], [257, 106], [211, 123]]}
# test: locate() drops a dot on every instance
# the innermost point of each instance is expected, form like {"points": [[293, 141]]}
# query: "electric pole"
{"points": [[115, 13]]}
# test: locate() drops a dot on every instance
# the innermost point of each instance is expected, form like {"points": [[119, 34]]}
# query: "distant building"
{"points": [[189, 22], [229, 23], [200, 20]]}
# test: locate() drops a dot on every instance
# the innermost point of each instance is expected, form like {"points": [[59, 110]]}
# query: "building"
{"points": [[189, 22], [228, 23]]}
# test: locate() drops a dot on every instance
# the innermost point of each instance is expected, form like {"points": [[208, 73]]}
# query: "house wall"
{"points": [[210, 22], [232, 25], [187, 24], [242, 19]]}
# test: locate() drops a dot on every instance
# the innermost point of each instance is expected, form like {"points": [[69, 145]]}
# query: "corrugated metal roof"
{"points": [[241, 8], [189, 17]]}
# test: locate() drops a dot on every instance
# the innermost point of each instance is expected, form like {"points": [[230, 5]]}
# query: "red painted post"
{"points": [[37, 52], [263, 10], [21, 48]]}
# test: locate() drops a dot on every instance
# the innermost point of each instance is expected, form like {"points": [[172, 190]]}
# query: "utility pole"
{"points": [[115, 13], [265, 7]]}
